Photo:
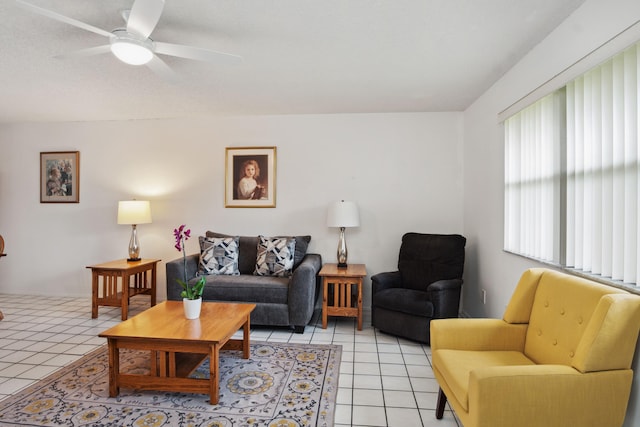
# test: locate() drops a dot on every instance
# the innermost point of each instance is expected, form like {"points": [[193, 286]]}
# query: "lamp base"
{"points": [[134, 245], [342, 250]]}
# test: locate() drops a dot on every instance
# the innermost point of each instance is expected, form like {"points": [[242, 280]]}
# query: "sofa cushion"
{"points": [[248, 251], [302, 244], [246, 288], [218, 255], [407, 301], [275, 256]]}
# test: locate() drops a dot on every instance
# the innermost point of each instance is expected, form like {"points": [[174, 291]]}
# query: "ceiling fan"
{"points": [[132, 43]]}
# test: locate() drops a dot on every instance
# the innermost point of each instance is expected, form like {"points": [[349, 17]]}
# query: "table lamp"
{"points": [[343, 214], [134, 212]]}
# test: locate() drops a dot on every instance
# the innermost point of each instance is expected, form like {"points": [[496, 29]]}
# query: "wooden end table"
{"points": [[178, 346], [114, 282], [342, 280]]}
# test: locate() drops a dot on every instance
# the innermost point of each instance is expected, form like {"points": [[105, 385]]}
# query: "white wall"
{"points": [[488, 267], [403, 170]]}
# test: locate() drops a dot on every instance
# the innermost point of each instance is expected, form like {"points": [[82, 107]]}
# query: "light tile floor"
{"points": [[384, 380]]}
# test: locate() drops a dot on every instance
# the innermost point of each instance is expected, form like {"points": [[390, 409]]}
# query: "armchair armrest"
{"points": [[477, 334], [445, 296], [175, 271], [302, 289], [387, 280], [567, 396]]}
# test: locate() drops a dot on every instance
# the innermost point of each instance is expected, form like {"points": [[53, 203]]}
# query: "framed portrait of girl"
{"points": [[250, 177]]}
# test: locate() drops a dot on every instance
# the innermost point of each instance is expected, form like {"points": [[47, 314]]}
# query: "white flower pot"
{"points": [[192, 307]]}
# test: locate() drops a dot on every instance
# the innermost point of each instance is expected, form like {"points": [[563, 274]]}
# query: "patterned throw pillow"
{"points": [[302, 243], [275, 256], [219, 255]]}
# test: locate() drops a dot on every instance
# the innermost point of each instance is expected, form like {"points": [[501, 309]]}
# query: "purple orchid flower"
{"points": [[191, 292]]}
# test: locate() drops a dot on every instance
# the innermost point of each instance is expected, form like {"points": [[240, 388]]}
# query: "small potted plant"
{"points": [[191, 294]]}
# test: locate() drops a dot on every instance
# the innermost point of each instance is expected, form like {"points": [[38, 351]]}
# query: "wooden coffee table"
{"points": [[178, 346]]}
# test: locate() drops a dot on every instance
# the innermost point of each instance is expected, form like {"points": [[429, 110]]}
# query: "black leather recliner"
{"points": [[426, 286]]}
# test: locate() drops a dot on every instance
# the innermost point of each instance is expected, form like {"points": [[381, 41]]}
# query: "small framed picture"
{"points": [[60, 177], [250, 177]]}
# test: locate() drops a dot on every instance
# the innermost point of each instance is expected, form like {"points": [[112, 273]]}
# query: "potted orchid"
{"points": [[191, 294]]}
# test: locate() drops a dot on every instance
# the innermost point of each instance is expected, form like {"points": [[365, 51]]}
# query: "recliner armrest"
{"points": [[387, 280], [445, 285], [477, 334], [445, 297]]}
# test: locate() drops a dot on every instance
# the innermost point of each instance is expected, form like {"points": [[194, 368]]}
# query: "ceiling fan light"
{"points": [[131, 53]]}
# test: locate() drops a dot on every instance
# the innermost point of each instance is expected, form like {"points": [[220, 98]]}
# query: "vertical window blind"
{"points": [[602, 172], [571, 173], [532, 180]]}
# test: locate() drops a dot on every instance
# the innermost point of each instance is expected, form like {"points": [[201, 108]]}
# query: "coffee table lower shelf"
{"points": [[170, 371]]}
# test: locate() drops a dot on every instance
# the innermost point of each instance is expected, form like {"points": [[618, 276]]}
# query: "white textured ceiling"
{"points": [[300, 56]]}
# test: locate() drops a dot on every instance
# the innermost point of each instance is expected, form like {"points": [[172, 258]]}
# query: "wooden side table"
{"points": [[342, 303], [114, 282]]}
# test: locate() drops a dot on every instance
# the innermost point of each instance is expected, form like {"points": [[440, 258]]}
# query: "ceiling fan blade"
{"points": [[97, 50], [62, 18], [125, 14], [197, 53], [144, 17], [161, 68]]}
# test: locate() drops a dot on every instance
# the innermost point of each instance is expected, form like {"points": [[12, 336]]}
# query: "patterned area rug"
{"points": [[281, 385]]}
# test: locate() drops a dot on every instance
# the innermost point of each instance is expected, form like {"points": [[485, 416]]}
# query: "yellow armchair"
{"points": [[561, 356]]}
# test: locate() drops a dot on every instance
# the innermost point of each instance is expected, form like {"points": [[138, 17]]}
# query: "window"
{"points": [[571, 174]]}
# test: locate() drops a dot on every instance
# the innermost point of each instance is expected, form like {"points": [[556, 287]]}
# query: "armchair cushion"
{"points": [[561, 311], [426, 258], [407, 301], [605, 332], [457, 366]]}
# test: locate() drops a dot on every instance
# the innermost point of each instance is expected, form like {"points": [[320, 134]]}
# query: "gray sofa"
{"points": [[280, 301]]}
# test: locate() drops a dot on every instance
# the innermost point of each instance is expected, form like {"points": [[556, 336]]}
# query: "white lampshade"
{"points": [[343, 214], [134, 212]]}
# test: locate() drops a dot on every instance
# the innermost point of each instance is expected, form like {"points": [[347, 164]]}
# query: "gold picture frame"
{"points": [[60, 177], [250, 177]]}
